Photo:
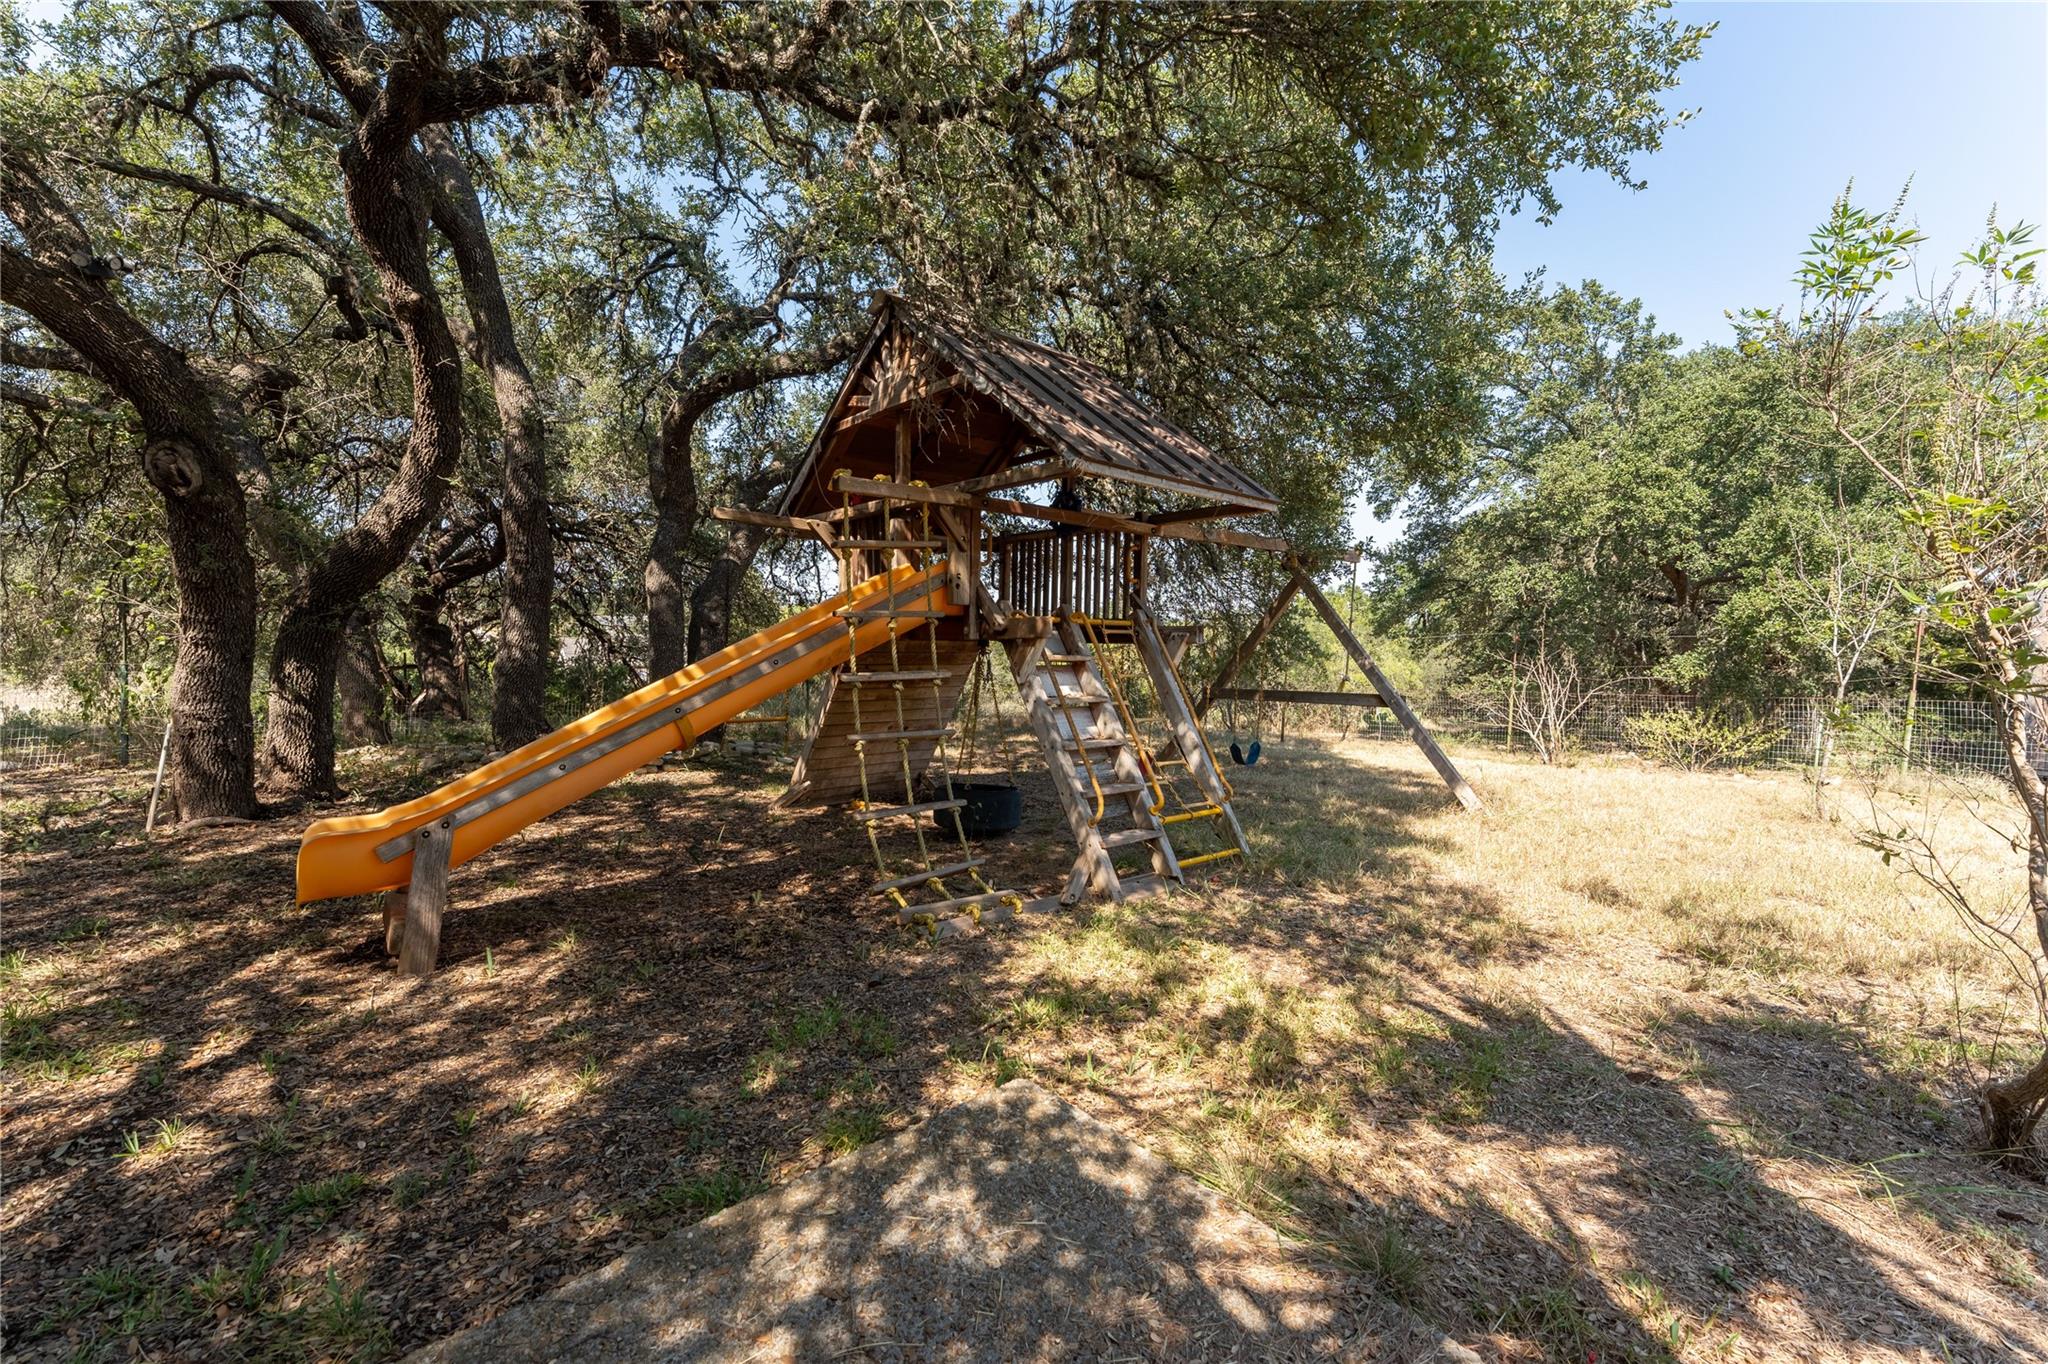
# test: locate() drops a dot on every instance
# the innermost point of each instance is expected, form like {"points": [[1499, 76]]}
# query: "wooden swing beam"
{"points": [[1395, 702], [1280, 696], [1239, 656]]}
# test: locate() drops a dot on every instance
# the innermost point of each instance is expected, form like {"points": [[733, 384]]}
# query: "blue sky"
{"points": [[1794, 101]]}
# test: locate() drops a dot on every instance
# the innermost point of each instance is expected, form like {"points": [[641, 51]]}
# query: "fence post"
{"points": [[122, 618], [163, 753], [1913, 693]]}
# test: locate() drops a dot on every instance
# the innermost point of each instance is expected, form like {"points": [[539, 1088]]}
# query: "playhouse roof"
{"points": [[988, 402]]}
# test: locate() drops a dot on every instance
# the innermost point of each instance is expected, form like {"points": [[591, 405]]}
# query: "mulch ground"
{"points": [[664, 998]]}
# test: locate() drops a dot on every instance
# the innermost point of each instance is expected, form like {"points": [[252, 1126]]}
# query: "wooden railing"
{"points": [[1089, 572]]}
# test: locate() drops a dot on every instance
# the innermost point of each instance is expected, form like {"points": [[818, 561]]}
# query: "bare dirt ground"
{"points": [[1638, 1065]]}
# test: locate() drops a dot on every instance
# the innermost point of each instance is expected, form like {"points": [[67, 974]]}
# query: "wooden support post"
{"points": [[1093, 871], [1244, 651], [1395, 702], [1183, 723], [425, 899]]}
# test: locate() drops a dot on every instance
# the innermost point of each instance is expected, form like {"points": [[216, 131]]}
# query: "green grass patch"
{"points": [[325, 1197], [699, 1196], [849, 1130]]}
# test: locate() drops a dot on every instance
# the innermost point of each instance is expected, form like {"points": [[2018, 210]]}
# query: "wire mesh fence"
{"points": [[36, 742], [40, 741], [1942, 734]]}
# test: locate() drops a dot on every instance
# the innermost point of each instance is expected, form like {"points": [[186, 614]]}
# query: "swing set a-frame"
{"points": [[909, 483]]}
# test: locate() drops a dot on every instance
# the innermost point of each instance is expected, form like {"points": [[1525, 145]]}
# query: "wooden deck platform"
{"points": [[828, 770]]}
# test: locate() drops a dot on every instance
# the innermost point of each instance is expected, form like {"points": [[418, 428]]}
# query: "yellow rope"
{"points": [[921, 563]]}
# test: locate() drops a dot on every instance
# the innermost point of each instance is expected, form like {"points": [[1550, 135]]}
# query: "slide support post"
{"points": [[425, 899]]}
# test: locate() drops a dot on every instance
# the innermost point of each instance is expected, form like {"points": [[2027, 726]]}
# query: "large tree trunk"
{"points": [[2013, 1108], [385, 191], [298, 740], [672, 489], [213, 736], [520, 676], [365, 701], [191, 455], [711, 604], [442, 694]]}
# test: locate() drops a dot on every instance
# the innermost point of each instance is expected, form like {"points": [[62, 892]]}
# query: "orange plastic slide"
{"points": [[359, 854]]}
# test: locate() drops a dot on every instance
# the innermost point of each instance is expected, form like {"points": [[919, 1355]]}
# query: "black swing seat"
{"points": [[1244, 757]]}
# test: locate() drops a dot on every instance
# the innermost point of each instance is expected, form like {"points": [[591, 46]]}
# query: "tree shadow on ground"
{"points": [[669, 996]]}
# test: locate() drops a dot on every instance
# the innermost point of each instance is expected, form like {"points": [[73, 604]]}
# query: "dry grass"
{"points": [[1639, 1065]]}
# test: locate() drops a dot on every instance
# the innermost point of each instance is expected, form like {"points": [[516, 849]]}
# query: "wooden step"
{"points": [[921, 877], [1125, 838], [1123, 788], [1141, 887], [1076, 699], [1103, 741], [938, 907], [953, 928], [1065, 658], [866, 679], [922, 807], [888, 544], [884, 736]]}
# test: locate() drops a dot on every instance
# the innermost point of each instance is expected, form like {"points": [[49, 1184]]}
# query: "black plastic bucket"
{"points": [[992, 808]]}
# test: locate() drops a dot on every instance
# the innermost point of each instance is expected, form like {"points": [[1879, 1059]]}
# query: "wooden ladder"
{"points": [[887, 728], [1111, 805]]}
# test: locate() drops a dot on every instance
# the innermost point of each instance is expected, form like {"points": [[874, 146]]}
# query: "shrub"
{"points": [[1693, 739]]}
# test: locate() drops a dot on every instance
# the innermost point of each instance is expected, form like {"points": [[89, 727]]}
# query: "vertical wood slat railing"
{"points": [[1088, 572]]}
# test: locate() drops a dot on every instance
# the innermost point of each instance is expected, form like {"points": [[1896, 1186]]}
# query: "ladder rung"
{"points": [[1078, 698], [890, 679], [1066, 658], [1169, 762], [1126, 837], [845, 614], [922, 877], [1123, 788], [888, 544], [912, 913], [899, 735], [954, 927], [1199, 812], [1209, 857], [1095, 741], [888, 811]]}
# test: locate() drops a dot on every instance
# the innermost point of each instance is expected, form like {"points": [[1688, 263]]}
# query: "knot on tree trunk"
{"points": [[171, 464]]}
